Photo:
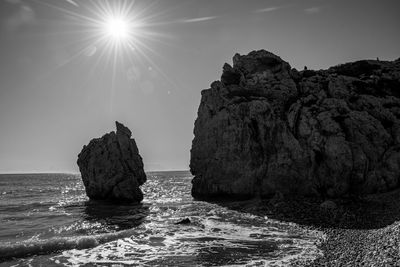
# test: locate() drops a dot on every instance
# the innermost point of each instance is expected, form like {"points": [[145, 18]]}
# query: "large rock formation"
{"points": [[112, 168], [268, 128]]}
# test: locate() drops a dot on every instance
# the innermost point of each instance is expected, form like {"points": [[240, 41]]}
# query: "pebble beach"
{"points": [[358, 232]]}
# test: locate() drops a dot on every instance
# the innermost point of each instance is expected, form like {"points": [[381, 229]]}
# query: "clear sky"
{"points": [[65, 77]]}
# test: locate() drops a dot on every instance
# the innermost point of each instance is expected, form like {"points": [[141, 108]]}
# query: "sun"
{"points": [[117, 28], [116, 36]]}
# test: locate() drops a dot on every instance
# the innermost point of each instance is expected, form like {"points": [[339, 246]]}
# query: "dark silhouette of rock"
{"points": [[230, 76], [184, 221], [112, 168], [329, 133]]}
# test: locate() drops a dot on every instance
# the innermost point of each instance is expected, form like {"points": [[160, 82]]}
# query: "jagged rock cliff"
{"points": [[268, 128], [112, 168]]}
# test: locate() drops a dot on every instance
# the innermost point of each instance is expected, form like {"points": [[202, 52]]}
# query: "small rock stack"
{"points": [[112, 168]]}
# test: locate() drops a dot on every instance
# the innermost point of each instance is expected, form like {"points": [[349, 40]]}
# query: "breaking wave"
{"points": [[47, 246]]}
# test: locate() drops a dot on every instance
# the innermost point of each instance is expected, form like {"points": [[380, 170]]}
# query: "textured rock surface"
{"points": [[268, 128], [112, 168]]}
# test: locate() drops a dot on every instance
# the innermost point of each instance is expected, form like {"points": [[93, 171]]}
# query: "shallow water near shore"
{"points": [[46, 219]]}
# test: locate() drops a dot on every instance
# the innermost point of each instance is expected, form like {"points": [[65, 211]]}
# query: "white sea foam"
{"points": [[245, 240], [35, 246]]}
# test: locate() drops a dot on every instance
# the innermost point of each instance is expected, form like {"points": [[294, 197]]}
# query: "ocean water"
{"points": [[47, 220]]}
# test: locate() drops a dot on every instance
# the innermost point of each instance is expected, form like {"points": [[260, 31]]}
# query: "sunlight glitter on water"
{"points": [[216, 235], [147, 235]]}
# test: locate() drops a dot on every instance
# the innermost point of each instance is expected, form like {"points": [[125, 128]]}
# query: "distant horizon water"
{"points": [[78, 173]]}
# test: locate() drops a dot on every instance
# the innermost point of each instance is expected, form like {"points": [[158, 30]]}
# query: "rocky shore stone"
{"points": [[184, 221], [112, 168], [328, 205], [268, 128]]}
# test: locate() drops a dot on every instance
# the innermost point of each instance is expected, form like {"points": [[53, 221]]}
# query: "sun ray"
{"points": [[66, 11], [158, 68], [121, 32], [112, 91]]}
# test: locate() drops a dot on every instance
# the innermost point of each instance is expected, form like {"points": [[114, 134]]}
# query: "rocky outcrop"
{"points": [[112, 168], [266, 128]]}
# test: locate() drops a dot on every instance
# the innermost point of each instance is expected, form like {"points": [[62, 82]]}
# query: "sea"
{"points": [[47, 220]]}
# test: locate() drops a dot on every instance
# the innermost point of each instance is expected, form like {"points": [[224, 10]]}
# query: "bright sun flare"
{"points": [[117, 28]]}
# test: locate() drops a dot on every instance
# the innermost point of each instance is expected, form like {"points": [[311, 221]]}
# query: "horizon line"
{"points": [[70, 172]]}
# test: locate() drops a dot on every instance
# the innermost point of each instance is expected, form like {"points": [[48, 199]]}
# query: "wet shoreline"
{"points": [[359, 232]]}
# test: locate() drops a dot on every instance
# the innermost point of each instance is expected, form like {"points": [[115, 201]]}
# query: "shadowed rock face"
{"points": [[267, 128], [112, 168]]}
